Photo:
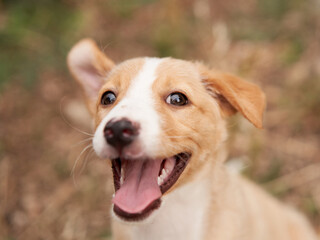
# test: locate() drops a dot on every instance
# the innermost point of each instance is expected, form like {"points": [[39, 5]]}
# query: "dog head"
{"points": [[157, 120]]}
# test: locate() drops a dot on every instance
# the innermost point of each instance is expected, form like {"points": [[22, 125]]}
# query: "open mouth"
{"points": [[140, 183]]}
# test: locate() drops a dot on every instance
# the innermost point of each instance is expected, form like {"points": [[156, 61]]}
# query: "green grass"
{"points": [[126, 8], [35, 37]]}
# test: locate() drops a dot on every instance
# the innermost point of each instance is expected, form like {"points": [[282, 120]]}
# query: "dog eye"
{"points": [[108, 98], [177, 99]]}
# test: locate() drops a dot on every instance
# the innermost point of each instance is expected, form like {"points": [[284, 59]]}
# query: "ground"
{"points": [[44, 125]]}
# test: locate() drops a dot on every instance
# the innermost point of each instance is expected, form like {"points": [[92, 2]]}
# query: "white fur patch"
{"points": [[138, 106], [181, 215]]}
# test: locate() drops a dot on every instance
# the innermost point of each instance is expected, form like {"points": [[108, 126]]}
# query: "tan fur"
{"points": [[87, 62], [181, 125], [117, 81], [243, 96], [207, 202]]}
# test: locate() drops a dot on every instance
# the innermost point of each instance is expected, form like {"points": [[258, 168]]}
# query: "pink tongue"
{"points": [[140, 187]]}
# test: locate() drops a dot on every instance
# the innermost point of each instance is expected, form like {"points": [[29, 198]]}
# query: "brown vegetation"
{"points": [[274, 43]]}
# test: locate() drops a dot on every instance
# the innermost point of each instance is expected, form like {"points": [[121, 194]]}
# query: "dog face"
{"points": [[157, 120]]}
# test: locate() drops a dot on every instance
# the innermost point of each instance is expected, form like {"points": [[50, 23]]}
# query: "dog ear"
{"points": [[234, 94], [89, 66]]}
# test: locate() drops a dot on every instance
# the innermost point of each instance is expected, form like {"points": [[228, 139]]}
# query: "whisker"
{"points": [[103, 49], [176, 136], [69, 124], [82, 141], [168, 129], [176, 148], [76, 163], [85, 162]]}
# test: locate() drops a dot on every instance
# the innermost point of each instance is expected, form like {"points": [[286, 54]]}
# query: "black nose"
{"points": [[120, 133]]}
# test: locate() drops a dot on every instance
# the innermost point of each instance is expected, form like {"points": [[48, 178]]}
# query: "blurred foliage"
{"points": [[126, 8], [273, 42], [304, 106], [35, 35]]}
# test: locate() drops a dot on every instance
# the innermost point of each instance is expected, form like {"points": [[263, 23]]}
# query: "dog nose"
{"points": [[120, 133]]}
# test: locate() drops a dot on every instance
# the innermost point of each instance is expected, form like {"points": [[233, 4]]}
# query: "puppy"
{"points": [[161, 122]]}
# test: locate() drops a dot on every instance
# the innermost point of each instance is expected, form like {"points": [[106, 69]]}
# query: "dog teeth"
{"points": [[163, 173], [163, 176], [122, 177], [160, 181]]}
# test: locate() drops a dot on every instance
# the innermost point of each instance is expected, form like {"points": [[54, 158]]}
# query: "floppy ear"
{"points": [[235, 94], [89, 66]]}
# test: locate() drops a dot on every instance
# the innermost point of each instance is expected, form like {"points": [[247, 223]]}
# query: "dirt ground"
{"points": [[52, 186]]}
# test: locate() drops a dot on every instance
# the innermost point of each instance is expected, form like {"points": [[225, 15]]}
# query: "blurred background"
{"points": [[52, 186]]}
